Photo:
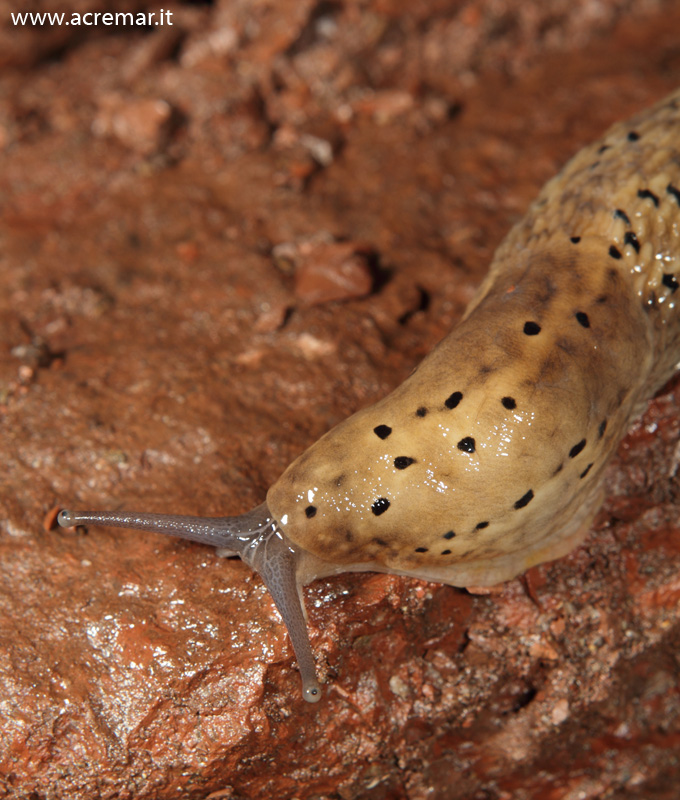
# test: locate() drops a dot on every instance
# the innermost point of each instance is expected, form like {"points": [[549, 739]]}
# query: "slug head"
{"points": [[489, 458]]}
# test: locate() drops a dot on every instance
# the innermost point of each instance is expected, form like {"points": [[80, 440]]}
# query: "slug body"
{"points": [[489, 458]]}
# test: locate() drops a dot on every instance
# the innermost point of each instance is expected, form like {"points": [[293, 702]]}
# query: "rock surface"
{"points": [[159, 189]]}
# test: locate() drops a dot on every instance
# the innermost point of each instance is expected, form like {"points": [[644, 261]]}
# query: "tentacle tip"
{"points": [[66, 519], [311, 691]]}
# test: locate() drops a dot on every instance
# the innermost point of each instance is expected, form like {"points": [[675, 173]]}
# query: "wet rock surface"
{"points": [[217, 240]]}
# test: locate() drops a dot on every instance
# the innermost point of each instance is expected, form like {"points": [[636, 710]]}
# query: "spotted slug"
{"points": [[489, 458]]}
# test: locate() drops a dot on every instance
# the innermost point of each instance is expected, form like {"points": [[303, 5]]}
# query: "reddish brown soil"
{"points": [[218, 239]]}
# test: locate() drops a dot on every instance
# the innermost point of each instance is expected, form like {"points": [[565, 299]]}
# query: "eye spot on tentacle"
{"points": [[614, 252], [675, 193], [582, 319], [525, 499], [671, 282], [401, 462], [382, 431], [481, 525], [585, 471], [509, 403], [421, 412], [574, 239], [576, 449], [645, 194], [380, 506], [467, 445], [532, 328], [620, 214], [453, 399], [448, 535], [602, 429], [310, 512]]}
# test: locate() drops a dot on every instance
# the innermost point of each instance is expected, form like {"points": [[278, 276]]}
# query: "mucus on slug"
{"points": [[489, 458]]}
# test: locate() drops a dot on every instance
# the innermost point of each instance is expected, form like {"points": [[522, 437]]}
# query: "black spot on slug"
{"points": [[633, 136], [525, 499], [421, 412], [582, 319], [602, 299], [380, 542], [310, 512], [602, 148], [671, 282], [673, 192], [467, 445], [619, 214], [574, 239], [445, 553], [585, 471], [532, 328], [401, 462], [645, 194], [576, 449], [448, 535], [602, 429], [380, 506], [382, 431], [559, 469], [453, 399], [614, 252], [630, 238], [421, 549], [509, 402], [481, 525]]}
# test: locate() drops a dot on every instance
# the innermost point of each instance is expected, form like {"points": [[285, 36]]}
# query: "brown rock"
{"points": [[141, 124], [327, 271]]}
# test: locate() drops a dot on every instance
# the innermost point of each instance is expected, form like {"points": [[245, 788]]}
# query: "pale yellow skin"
{"points": [[609, 338]]}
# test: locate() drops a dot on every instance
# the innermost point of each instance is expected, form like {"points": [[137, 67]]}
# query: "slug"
{"points": [[489, 458]]}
